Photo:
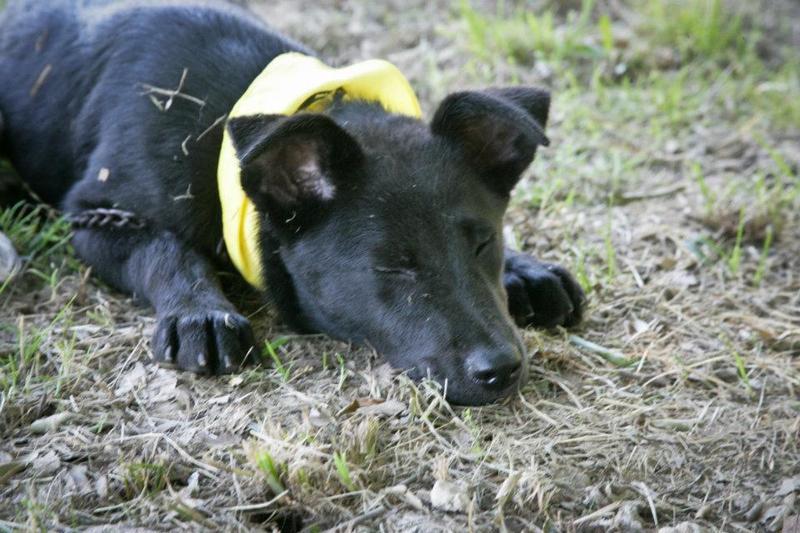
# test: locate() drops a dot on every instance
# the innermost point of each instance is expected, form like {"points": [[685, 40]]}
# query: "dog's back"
{"points": [[25, 66], [81, 78]]}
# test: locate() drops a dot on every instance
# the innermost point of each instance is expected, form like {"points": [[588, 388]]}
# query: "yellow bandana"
{"points": [[290, 81]]}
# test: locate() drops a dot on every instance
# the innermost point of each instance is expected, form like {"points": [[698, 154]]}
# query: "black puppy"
{"points": [[374, 227]]}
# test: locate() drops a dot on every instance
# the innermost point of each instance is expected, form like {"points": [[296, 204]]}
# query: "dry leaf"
{"points": [[387, 409], [161, 386], [132, 379], [220, 400], [359, 403], [679, 279], [402, 492], [507, 488]]}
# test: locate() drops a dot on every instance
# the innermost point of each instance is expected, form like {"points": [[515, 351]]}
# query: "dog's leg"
{"points": [[198, 329], [541, 294]]}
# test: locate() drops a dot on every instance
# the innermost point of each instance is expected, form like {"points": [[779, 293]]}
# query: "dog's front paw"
{"points": [[203, 341], [541, 294]]}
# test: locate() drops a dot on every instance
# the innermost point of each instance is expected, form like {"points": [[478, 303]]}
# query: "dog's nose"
{"points": [[495, 369]]}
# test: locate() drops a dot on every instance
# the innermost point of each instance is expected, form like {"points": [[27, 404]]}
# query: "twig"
{"points": [[183, 145], [178, 90], [211, 127], [538, 413], [350, 524], [598, 513], [192, 514], [645, 491], [258, 506], [612, 356], [183, 453], [185, 196], [624, 199], [171, 94], [40, 80]]}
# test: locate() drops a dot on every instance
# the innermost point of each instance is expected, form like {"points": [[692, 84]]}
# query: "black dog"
{"points": [[375, 227]]}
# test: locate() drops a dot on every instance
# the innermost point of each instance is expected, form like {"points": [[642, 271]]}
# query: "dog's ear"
{"points": [[497, 129], [290, 162], [535, 101]]}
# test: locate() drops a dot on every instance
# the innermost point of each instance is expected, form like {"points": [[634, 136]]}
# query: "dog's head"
{"points": [[382, 229]]}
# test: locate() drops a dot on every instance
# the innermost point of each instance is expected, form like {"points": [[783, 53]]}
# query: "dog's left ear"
{"points": [[498, 130]]}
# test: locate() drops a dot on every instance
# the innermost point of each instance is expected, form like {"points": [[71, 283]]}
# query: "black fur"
{"points": [[376, 228]]}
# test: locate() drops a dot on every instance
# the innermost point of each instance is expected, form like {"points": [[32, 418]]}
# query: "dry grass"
{"points": [[674, 196]]}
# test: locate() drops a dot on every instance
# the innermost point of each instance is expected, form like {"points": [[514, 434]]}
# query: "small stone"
{"points": [[49, 423], [46, 464], [101, 487], [78, 479], [320, 417], [672, 146], [449, 496], [773, 516], [543, 70], [792, 524], [789, 485], [9, 259]]}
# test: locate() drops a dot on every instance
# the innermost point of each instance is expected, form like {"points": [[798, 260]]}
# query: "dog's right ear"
{"points": [[291, 162]]}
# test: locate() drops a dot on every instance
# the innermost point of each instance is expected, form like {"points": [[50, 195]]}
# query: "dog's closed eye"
{"points": [[396, 271], [484, 243]]}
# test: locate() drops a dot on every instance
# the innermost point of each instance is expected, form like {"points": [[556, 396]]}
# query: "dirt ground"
{"points": [[672, 189]]}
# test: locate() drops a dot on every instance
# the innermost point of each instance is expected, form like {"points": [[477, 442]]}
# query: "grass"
{"points": [[761, 270], [145, 479], [21, 368], [271, 472], [707, 29], [42, 237], [671, 190], [271, 350], [521, 35], [343, 470]]}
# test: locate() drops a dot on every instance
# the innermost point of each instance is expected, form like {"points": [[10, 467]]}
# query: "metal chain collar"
{"points": [[102, 217]]}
